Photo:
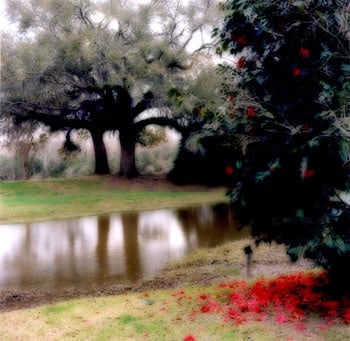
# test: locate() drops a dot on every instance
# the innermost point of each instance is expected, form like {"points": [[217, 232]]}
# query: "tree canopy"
{"points": [[99, 65], [290, 116]]}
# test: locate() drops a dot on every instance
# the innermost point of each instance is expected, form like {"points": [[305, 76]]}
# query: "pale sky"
{"points": [[3, 21], [6, 26]]}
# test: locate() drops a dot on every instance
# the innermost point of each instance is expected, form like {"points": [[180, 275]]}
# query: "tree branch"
{"points": [[168, 122]]}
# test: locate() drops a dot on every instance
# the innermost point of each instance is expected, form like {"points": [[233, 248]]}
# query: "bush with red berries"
{"points": [[290, 115]]}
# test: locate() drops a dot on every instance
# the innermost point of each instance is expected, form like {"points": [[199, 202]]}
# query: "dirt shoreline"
{"points": [[202, 275]]}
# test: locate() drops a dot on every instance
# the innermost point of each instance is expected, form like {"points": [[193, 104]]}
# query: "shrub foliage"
{"points": [[291, 119]]}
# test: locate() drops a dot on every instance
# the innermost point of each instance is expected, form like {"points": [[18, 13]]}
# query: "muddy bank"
{"points": [[200, 268]]}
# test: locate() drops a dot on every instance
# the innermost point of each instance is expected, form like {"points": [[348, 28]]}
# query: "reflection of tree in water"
{"points": [[74, 253], [154, 232], [103, 228], [27, 246], [39, 259], [73, 237], [199, 221], [131, 245]]}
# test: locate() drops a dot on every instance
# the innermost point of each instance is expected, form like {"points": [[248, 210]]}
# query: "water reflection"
{"points": [[109, 248]]}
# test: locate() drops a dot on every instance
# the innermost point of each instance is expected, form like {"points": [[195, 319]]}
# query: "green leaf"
{"points": [[225, 46], [268, 114], [345, 67], [300, 213], [261, 176], [344, 151], [239, 164], [313, 143], [294, 252]]}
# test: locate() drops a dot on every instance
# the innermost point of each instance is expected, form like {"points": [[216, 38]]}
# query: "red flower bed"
{"points": [[289, 298]]}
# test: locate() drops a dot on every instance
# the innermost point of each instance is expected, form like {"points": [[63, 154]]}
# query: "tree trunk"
{"points": [[127, 157], [101, 161]]}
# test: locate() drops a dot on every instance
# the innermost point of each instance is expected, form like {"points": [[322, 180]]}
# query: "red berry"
{"points": [[229, 170], [296, 72], [241, 63], [304, 52], [241, 40], [251, 112], [308, 173]]}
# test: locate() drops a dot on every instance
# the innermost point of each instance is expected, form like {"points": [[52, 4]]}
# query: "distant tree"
{"points": [[25, 140], [291, 61], [100, 65]]}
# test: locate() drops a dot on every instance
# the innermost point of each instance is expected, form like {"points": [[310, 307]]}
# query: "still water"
{"points": [[107, 249]]}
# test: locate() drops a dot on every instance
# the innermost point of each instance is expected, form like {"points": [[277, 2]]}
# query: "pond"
{"points": [[107, 249]]}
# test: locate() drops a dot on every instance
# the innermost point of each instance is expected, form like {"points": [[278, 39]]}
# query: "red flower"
{"points": [[304, 52], [296, 72], [189, 338], [203, 297], [306, 127], [229, 170], [251, 112], [205, 309], [308, 173], [240, 63], [242, 40]]}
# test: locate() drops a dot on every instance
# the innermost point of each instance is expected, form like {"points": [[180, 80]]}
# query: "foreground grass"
{"points": [[25, 201], [155, 315]]}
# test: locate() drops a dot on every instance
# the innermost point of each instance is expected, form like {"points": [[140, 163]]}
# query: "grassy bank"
{"points": [[25, 201]]}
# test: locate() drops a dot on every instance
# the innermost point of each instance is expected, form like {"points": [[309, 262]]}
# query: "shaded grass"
{"points": [[24, 201]]}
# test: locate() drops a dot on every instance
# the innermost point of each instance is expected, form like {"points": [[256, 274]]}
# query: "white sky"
{"points": [[4, 23]]}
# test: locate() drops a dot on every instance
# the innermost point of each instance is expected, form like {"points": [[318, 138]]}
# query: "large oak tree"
{"points": [[100, 65]]}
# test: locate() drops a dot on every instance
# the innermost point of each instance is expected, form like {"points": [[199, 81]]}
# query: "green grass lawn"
{"points": [[25, 201]]}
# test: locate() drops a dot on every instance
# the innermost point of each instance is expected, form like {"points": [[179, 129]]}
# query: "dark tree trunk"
{"points": [[101, 161], [127, 157]]}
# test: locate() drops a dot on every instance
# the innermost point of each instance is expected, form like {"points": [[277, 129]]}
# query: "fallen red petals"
{"points": [[282, 318], [189, 338], [288, 298], [205, 308]]}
